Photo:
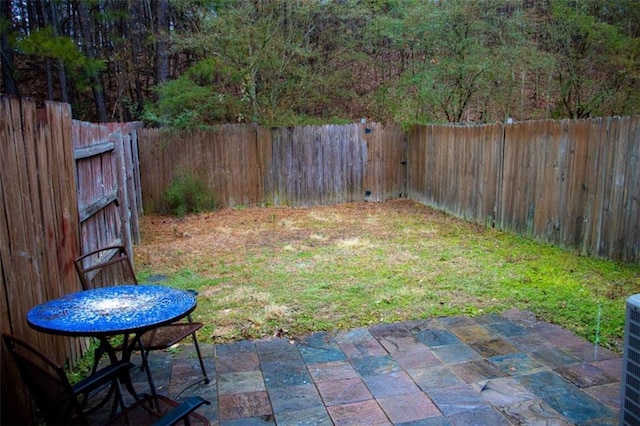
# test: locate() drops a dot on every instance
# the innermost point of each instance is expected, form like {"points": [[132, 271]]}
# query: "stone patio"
{"points": [[488, 370]]}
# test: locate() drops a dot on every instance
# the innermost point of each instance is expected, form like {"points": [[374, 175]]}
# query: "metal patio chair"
{"points": [[112, 265], [60, 403]]}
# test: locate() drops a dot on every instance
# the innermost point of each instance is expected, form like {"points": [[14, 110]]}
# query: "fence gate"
{"points": [[107, 173]]}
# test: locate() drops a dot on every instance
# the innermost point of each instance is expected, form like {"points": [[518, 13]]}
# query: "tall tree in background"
{"points": [[85, 21], [161, 21], [9, 85]]}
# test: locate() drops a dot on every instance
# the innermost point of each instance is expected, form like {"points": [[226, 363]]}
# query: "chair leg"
{"points": [[144, 365], [97, 356], [204, 371], [195, 342]]}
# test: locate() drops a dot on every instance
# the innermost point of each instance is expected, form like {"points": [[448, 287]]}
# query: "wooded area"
{"points": [[192, 63]]}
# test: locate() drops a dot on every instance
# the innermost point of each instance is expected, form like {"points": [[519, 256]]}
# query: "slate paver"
{"points": [[317, 416], [331, 371], [392, 384], [456, 399], [504, 391], [491, 369], [472, 333], [434, 338], [554, 357], [493, 347], [480, 416], [243, 405], [417, 357], [516, 364], [507, 329], [240, 382], [279, 374], [345, 391], [375, 365], [476, 371], [584, 375], [607, 394], [579, 407], [453, 354], [408, 407], [431, 421], [294, 398], [533, 412], [435, 377], [366, 412], [237, 362]]}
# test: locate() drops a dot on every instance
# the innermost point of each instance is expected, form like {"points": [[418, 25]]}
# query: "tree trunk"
{"points": [[136, 51], [9, 85], [52, 18], [84, 23], [161, 12]]}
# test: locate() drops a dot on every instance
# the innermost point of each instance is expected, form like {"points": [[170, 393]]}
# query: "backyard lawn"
{"points": [[290, 271]]}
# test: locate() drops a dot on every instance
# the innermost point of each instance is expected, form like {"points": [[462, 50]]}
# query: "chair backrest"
{"points": [[105, 267], [47, 383]]}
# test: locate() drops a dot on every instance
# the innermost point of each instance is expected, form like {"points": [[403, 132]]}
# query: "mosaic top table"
{"points": [[112, 311], [108, 311]]}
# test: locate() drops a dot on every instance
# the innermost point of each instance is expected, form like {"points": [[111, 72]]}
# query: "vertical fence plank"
{"points": [[40, 220], [631, 228]]}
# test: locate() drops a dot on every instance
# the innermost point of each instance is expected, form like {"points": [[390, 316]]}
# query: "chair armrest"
{"points": [[102, 377], [181, 411]]}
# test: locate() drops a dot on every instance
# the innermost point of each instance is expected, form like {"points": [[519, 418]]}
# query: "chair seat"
{"points": [[150, 410], [166, 336]]}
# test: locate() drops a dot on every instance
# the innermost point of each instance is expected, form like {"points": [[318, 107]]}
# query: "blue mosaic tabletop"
{"points": [[111, 310]]}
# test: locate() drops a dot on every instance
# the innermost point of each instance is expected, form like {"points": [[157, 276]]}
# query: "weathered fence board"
{"points": [[39, 217], [455, 168], [385, 171], [573, 183], [300, 166], [49, 205], [107, 174]]}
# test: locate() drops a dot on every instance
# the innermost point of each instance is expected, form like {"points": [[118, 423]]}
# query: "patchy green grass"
{"points": [[285, 271]]}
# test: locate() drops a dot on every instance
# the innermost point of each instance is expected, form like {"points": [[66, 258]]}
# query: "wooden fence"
{"points": [[59, 182], [108, 184], [573, 183], [302, 166]]}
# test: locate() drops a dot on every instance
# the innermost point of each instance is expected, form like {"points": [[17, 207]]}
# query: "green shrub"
{"points": [[188, 194]]}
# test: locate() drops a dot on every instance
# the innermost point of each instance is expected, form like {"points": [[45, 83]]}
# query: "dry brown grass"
{"points": [[266, 271]]}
